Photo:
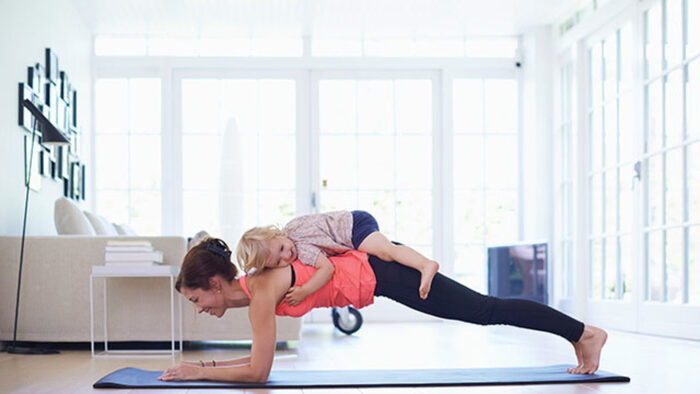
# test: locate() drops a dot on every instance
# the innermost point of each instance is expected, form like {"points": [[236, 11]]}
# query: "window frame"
{"points": [[172, 70]]}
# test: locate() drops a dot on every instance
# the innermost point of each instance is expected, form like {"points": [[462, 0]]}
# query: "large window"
{"points": [[485, 172], [128, 145], [611, 170], [238, 154], [244, 147], [671, 149], [564, 175], [642, 207], [375, 153]]}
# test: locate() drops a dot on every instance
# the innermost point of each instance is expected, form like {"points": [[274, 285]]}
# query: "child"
{"points": [[312, 238]]}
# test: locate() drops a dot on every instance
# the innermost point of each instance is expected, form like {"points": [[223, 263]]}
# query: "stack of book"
{"points": [[131, 254]]}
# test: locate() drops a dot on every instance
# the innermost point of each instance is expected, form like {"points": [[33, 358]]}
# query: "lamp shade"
{"points": [[50, 134]]}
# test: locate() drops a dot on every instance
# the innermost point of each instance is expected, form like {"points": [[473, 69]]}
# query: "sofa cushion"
{"points": [[199, 237], [102, 226], [69, 220], [124, 229]]}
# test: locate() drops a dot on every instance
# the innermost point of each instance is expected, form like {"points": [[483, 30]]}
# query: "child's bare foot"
{"points": [[426, 278], [588, 350]]}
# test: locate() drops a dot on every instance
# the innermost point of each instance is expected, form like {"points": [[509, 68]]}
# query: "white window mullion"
{"points": [[443, 154], [305, 141], [174, 135], [439, 186], [168, 220], [129, 193], [619, 291], [314, 143], [394, 148], [663, 154], [521, 154], [686, 241]]}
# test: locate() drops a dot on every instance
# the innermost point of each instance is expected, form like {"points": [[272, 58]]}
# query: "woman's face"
{"points": [[210, 301]]}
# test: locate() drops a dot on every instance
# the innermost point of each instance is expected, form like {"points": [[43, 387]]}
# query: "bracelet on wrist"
{"points": [[201, 363], [213, 363]]}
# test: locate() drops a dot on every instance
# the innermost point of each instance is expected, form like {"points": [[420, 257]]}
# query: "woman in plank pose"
{"points": [[209, 280]]}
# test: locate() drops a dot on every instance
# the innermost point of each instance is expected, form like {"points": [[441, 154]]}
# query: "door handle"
{"points": [[637, 173]]}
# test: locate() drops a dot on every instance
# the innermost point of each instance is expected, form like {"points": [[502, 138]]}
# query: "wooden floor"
{"points": [[655, 364]]}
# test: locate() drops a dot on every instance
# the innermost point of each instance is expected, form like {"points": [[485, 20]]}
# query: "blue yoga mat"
{"points": [[139, 378]]}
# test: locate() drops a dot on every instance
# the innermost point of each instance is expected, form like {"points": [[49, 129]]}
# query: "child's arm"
{"points": [[324, 272]]}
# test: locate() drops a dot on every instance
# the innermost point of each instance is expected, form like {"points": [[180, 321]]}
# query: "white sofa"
{"points": [[55, 298]]}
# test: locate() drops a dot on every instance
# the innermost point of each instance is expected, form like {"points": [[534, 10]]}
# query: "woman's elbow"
{"points": [[257, 375], [260, 377], [261, 380]]}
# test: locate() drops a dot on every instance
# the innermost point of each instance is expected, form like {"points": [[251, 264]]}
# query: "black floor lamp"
{"points": [[50, 136]]}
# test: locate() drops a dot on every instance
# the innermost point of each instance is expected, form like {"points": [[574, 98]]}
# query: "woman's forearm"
{"points": [[219, 363], [234, 361], [241, 373], [256, 367]]}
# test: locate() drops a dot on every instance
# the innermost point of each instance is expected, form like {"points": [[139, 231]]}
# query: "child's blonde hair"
{"points": [[252, 251]]}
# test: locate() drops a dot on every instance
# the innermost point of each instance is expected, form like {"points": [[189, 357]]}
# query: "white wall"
{"points": [[538, 203], [27, 28]]}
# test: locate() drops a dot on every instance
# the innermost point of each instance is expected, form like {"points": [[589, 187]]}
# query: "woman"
{"points": [[208, 279]]}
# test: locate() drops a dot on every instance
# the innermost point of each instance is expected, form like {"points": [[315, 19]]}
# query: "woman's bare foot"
{"points": [[579, 357], [588, 350], [426, 278]]}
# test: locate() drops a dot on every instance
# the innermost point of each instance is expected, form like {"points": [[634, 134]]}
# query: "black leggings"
{"points": [[449, 299]]}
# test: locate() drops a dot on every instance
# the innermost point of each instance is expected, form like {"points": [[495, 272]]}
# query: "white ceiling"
{"points": [[330, 18]]}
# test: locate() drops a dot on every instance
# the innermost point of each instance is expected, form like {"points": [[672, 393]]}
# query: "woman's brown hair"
{"points": [[209, 258]]}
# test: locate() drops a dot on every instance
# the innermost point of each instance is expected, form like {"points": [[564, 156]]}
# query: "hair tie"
{"points": [[218, 248]]}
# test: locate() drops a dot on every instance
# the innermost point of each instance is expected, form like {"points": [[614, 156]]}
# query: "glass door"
{"points": [[128, 141], [611, 178], [644, 220], [565, 190], [375, 135], [671, 220], [238, 136], [485, 172]]}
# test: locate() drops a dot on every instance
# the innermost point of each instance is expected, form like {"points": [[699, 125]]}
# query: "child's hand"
{"points": [[295, 295]]}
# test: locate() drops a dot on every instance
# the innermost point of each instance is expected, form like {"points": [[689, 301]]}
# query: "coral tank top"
{"points": [[353, 283]]}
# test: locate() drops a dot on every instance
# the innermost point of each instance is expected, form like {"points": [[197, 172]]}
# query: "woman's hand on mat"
{"points": [[182, 371], [295, 295]]}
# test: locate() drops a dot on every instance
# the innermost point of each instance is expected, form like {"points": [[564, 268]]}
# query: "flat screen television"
{"points": [[518, 271]]}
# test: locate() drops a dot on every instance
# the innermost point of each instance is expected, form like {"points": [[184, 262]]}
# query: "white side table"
{"points": [[156, 271]]}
